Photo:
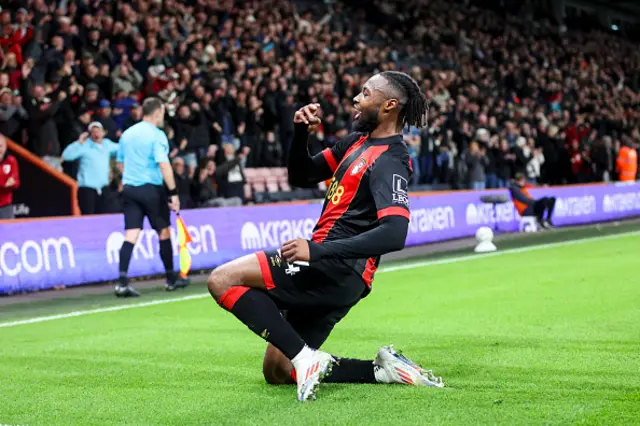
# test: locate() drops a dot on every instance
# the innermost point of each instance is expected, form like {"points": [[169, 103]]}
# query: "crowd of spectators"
{"points": [[509, 93]]}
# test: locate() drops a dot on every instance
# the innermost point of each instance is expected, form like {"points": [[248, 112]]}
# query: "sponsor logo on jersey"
{"points": [[6, 168], [291, 269], [359, 166], [400, 190]]}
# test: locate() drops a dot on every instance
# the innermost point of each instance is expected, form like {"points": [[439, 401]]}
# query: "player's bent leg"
{"points": [[244, 271], [240, 288], [276, 367]]}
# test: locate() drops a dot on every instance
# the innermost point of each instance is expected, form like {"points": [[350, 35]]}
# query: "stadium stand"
{"points": [[555, 102]]}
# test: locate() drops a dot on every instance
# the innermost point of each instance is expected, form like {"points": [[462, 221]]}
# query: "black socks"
{"points": [[166, 254], [125, 258], [347, 370], [258, 312]]}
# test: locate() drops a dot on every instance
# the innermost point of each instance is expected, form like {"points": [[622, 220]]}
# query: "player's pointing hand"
{"points": [[295, 250], [308, 115]]}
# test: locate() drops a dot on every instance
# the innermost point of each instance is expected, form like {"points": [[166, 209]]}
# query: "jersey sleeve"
{"points": [[389, 182], [161, 148]]}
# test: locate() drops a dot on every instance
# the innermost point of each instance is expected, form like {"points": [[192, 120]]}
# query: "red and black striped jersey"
{"points": [[366, 208]]}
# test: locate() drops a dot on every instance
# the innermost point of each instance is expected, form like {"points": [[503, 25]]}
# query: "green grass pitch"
{"points": [[549, 336]]}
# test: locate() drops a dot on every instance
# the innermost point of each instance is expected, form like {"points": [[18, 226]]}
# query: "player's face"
{"points": [[367, 106]]}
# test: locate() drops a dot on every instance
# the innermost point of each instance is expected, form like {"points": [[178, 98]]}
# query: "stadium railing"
{"points": [[44, 191]]}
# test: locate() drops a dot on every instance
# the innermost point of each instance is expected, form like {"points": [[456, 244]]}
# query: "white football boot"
{"points": [[310, 369], [392, 367]]}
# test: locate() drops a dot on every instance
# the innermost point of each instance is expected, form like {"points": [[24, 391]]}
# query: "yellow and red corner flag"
{"points": [[183, 238]]}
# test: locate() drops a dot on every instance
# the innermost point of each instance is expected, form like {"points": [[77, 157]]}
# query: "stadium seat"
{"points": [[279, 171], [263, 172], [250, 173], [272, 183], [283, 182], [248, 194], [259, 187], [284, 186]]}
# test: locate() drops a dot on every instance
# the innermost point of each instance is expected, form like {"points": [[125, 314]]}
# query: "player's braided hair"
{"points": [[415, 110]]}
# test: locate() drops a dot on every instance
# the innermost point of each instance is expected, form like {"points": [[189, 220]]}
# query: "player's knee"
{"points": [[274, 375], [222, 279], [131, 235], [217, 283], [164, 234]]}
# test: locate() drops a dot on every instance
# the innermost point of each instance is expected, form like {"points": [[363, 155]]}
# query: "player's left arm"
{"points": [[388, 182]]}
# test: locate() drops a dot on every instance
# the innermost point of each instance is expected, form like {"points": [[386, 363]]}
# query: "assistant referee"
{"points": [[149, 191]]}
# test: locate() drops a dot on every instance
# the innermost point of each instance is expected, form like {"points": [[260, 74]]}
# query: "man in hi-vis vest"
{"points": [[627, 163]]}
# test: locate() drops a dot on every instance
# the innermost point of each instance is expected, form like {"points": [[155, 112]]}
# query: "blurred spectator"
{"points": [[135, 116], [184, 126], [526, 205], [229, 174], [445, 163], [535, 163], [94, 152], [12, 114], [204, 191], [183, 183], [41, 107], [477, 162], [126, 78], [9, 180], [272, 152], [238, 70], [104, 117], [505, 163], [627, 163], [412, 139], [603, 159]]}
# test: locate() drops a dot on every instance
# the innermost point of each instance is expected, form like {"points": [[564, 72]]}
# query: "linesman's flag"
{"points": [[185, 257]]}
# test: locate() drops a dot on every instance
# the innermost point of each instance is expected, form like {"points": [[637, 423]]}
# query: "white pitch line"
{"points": [[100, 310], [413, 265]]}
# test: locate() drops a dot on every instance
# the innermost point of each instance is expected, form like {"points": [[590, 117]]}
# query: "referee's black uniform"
{"points": [[142, 148]]}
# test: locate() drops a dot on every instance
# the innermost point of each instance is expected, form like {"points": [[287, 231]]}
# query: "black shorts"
{"points": [[146, 200], [312, 301]]}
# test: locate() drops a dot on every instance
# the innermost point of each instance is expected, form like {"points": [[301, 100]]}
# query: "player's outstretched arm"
{"points": [[388, 183], [387, 237]]}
